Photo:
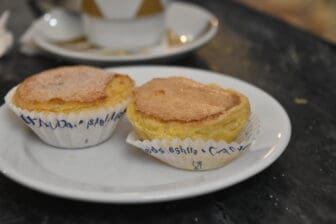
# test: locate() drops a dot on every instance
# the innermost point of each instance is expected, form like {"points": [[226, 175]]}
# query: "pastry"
{"points": [[72, 106], [190, 125], [177, 107]]}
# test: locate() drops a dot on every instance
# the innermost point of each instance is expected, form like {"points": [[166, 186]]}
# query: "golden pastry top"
{"points": [[70, 83], [182, 99]]}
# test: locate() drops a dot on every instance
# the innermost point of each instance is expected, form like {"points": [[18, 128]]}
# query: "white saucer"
{"points": [[117, 172], [188, 28]]}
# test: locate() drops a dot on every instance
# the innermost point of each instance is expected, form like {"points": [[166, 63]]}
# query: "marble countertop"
{"points": [[298, 69]]}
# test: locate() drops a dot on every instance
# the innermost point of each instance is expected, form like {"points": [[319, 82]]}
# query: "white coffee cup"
{"points": [[124, 24]]}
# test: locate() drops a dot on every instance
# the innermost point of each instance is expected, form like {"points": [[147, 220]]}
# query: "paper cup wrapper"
{"points": [[71, 130], [198, 154]]}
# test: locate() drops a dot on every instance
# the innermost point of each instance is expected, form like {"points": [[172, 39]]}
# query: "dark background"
{"points": [[300, 187]]}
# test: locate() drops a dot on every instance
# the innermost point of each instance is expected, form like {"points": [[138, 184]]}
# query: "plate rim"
{"points": [[103, 197], [74, 55]]}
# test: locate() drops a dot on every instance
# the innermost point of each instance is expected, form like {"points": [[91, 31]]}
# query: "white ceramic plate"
{"points": [[190, 22], [117, 172]]}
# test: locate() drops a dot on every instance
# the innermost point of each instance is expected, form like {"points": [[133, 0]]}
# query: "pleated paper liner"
{"points": [[71, 130], [198, 154]]}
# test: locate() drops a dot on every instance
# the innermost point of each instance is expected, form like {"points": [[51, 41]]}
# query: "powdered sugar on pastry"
{"points": [[73, 83]]}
